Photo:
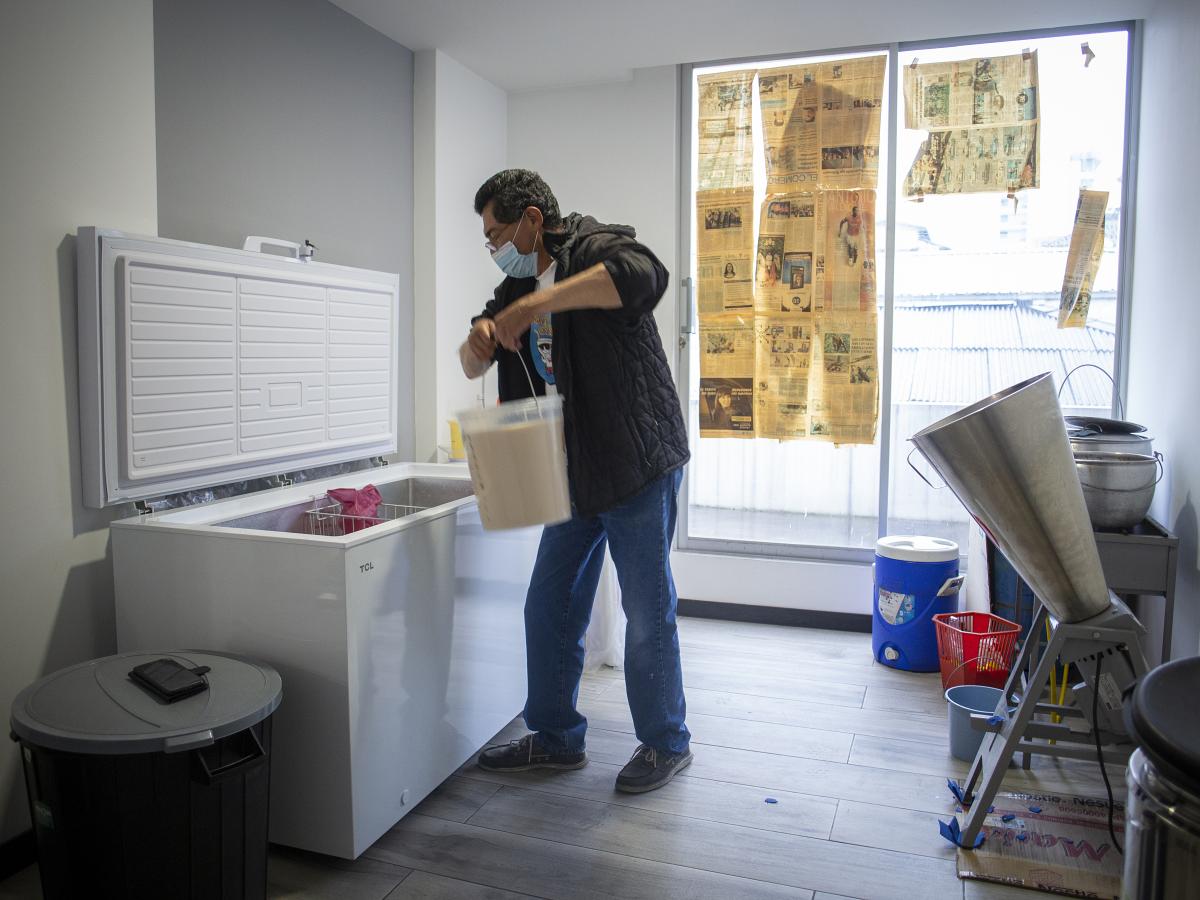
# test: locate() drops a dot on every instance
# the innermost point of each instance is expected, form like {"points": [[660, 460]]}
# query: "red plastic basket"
{"points": [[975, 648]]}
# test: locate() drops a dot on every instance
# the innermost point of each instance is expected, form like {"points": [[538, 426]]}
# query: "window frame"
{"points": [[687, 321]]}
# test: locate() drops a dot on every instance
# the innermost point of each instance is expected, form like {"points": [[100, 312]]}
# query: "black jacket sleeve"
{"points": [[493, 306], [640, 279]]}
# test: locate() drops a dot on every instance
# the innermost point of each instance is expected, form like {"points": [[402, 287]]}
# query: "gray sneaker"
{"points": [[527, 754], [649, 769]]}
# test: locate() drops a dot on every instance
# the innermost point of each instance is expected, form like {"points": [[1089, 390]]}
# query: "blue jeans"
{"points": [[559, 605]]}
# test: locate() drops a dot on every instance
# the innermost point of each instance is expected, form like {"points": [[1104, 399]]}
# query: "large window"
{"points": [[972, 300]]}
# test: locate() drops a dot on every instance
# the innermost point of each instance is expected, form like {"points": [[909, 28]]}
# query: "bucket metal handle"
{"points": [[1105, 372], [1158, 459], [920, 474]]}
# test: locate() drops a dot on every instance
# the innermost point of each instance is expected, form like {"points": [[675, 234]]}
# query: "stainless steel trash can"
{"points": [[132, 797], [1162, 825]]}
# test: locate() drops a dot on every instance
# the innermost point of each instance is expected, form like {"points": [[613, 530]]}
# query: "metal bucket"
{"points": [[1162, 834], [1008, 460]]}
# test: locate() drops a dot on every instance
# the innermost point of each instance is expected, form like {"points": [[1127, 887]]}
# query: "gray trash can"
{"points": [[132, 797], [1162, 819]]}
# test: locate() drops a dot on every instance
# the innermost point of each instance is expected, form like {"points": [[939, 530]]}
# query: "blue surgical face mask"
{"points": [[513, 262]]}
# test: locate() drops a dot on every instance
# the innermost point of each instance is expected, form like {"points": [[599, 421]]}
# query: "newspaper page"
{"points": [[1083, 258], [785, 258], [783, 363], [815, 295], [724, 156], [727, 355], [964, 161], [724, 256], [821, 124], [846, 266], [983, 122], [845, 404], [990, 90]]}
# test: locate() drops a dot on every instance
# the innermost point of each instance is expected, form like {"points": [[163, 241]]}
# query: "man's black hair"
{"points": [[512, 191]]}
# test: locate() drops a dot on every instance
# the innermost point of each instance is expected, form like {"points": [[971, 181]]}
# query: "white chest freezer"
{"points": [[400, 640]]}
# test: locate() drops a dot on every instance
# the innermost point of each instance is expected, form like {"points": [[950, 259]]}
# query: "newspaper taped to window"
{"points": [[785, 259], [816, 252], [815, 299], [724, 255], [725, 151], [784, 362], [727, 354], [821, 123], [982, 116], [845, 407], [1083, 258], [967, 161]]}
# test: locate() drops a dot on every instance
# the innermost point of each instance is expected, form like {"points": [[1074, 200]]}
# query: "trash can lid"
{"points": [[916, 548], [1164, 723], [95, 707]]}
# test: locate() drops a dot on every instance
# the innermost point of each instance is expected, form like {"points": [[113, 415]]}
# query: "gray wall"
{"points": [[288, 118], [76, 148]]}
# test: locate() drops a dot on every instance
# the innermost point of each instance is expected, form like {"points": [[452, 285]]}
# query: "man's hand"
{"points": [[482, 340], [513, 321]]}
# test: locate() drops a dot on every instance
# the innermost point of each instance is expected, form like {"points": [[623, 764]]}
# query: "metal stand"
{"points": [[1110, 639]]}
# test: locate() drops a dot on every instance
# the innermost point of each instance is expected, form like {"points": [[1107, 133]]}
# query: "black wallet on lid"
{"points": [[168, 680]]}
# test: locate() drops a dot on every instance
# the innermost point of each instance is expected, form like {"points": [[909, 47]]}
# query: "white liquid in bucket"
{"points": [[519, 471]]}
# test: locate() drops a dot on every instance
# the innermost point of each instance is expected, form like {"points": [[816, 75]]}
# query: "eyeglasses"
{"points": [[490, 245]]}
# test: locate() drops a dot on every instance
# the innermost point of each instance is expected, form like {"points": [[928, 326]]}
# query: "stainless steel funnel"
{"points": [[1008, 460]]}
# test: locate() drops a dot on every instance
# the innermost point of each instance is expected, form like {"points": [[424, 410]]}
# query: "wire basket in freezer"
{"points": [[328, 520]]}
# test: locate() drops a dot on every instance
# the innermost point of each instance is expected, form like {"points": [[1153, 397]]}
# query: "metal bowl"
{"points": [[1118, 487]]}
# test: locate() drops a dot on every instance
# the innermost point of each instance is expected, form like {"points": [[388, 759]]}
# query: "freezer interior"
{"points": [[323, 516]]}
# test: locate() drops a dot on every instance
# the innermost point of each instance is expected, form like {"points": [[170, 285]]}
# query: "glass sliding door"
{"points": [[978, 276], [762, 494], [975, 287]]}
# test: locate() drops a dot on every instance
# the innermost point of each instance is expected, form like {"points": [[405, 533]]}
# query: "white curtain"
{"points": [[604, 643]]}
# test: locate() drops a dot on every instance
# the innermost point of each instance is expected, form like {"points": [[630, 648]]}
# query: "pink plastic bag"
{"points": [[362, 504]]}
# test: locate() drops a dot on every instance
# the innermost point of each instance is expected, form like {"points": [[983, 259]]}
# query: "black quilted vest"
{"points": [[623, 421]]}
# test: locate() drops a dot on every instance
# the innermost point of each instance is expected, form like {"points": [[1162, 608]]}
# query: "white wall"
{"points": [[77, 145], [1164, 367], [610, 151], [460, 123]]}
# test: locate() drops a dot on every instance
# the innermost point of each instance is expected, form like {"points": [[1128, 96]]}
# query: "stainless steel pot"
{"points": [[1113, 443], [1118, 487]]}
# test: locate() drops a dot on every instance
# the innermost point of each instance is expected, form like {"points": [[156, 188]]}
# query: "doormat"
{"points": [[1054, 843]]}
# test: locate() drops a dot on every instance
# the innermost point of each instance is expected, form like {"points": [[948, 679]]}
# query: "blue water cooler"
{"points": [[915, 578]]}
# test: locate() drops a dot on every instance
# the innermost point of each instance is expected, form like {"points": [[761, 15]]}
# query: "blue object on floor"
{"points": [[770, 800], [957, 791], [951, 832], [1022, 836], [1008, 817], [1035, 809], [910, 572]]}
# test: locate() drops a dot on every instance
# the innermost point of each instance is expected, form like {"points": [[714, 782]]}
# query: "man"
{"points": [[850, 229], [626, 447]]}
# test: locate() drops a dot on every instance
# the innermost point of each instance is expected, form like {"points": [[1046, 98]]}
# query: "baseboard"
{"points": [[776, 615], [17, 854]]}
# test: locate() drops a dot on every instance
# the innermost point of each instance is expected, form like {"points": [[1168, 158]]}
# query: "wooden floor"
{"points": [[854, 753]]}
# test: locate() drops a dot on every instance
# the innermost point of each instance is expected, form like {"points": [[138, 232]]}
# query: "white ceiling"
{"points": [[524, 45]]}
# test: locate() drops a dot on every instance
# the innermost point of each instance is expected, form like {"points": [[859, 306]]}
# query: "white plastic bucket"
{"points": [[518, 462]]}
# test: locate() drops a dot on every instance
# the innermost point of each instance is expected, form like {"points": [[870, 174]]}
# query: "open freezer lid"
{"points": [[205, 365]]}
